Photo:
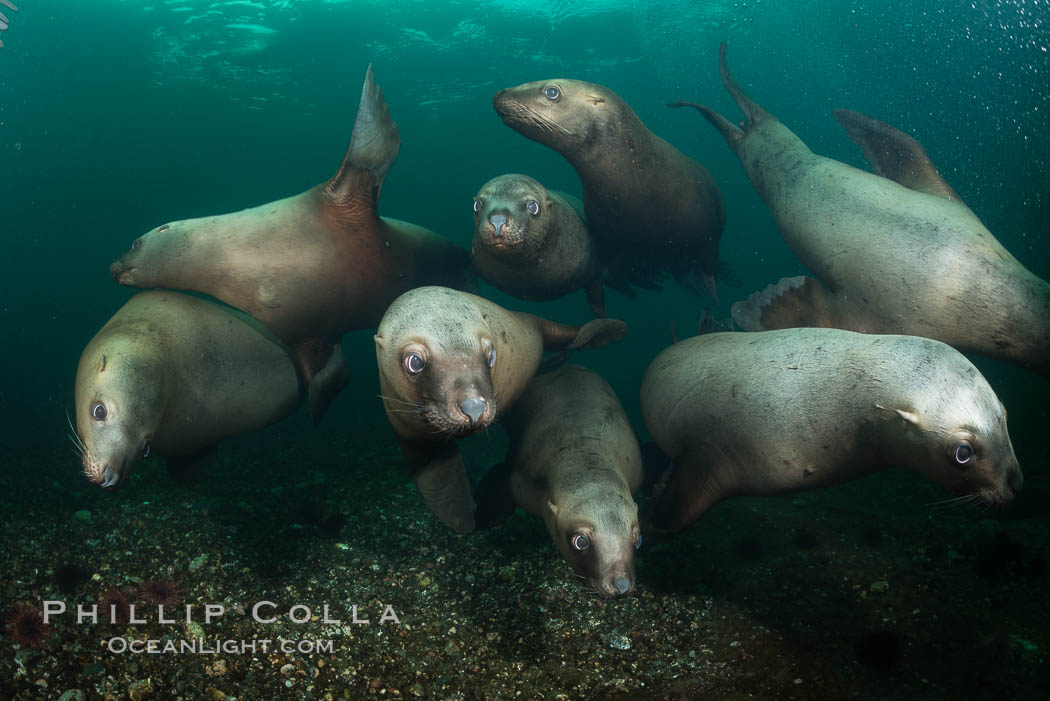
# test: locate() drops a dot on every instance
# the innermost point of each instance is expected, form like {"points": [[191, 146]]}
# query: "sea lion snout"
{"points": [[497, 221], [473, 407], [121, 272], [618, 584]]}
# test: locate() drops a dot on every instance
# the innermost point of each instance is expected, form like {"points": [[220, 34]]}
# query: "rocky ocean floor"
{"points": [[865, 591]]}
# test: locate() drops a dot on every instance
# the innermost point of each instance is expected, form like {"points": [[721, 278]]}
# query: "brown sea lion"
{"points": [[896, 251], [573, 461], [449, 364], [310, 267], [173, 375], [653, 208], [784, 411], [533, 243]]}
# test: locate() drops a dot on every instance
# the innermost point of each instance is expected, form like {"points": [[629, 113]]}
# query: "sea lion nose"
{"points": [[622, 584], [474, 408], [497, 221], [1017, 481]]}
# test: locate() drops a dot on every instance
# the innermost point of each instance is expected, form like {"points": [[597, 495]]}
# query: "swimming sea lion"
{"points": [[450, 363], [574, 461], [798, 409], [174, 375], [898, 252], [533, 243], [3, 18], [644, 199], [310, 267]]}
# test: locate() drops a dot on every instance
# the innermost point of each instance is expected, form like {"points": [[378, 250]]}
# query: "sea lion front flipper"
{"points": [[326, 383], [678, 499], [441, 478], [596, 297], [373, 147], [494, 498], [895, 155], [186, 469], [791, 302]]}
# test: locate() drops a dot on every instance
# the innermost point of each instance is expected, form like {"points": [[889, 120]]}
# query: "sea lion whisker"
{"points": [[76, 433]]}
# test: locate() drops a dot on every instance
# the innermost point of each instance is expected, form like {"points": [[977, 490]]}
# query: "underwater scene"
{"points": [[508, 349]]}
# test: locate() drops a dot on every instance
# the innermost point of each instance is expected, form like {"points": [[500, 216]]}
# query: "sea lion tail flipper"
{"points": [[373, 147], [791, 302], [494, 498], [326, 383], [442, 482], [595, 292], [598, 333], [895, 155], [731, 132]]}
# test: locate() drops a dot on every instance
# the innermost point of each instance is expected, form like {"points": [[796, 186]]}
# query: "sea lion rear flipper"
{"points": [[895, 155], [187, 469], [678, 499], [494, 498], [373, 147], [593, 334], [326, 383], [441, 478], [596, 297], [791, 302]]}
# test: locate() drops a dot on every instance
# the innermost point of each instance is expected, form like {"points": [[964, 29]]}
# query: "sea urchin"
{"points": [[161, 591], [25, 626], [114, 606]]}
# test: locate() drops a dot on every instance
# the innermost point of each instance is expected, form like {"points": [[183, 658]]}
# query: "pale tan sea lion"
{"points": [[784, 411], [173, 375], [449, 364], [310, 267], [574, 462], [532, 242], [654, 209], [897, 252]]}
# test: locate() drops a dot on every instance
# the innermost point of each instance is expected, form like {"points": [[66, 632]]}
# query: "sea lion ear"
{"points": [[379, 341], [102, 364], [908, 416], [552, 506]]}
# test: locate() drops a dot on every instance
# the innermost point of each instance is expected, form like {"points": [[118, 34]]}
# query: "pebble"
{"points": [[73, 695], [880, 586], [82, 515], [140, 690], [198, 562], [616, 641]]}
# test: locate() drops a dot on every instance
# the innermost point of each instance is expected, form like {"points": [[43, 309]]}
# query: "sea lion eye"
{"points": [[491, 357], [145, 451], [414, 363], [98, 411], [963, 453], [533, 206], [552, 93], [477, 205], [580, 542]]}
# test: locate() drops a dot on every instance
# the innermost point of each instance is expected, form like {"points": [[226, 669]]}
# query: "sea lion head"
{"points": [[597, 533], [436, 353], [511, 214], [957, 425], [172, 255], [566, 115], [119, 405]]}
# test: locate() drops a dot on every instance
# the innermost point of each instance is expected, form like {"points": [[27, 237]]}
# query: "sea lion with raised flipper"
{"points": [[532, 243], [574, 462], [173, 375], [654, 209], [896, 251], [784, 411], [449, 364], [310, 267]]}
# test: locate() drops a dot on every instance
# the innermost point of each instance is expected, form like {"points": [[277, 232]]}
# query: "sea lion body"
{"points": [[574, 462], [532, 243], [797, 409], [449, 364], [647, 202], [898, 252], [310, 267], [177, 374]]}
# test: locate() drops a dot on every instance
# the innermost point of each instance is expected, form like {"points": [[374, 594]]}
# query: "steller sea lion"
{"points": [[784, 411], [897, 251], [533, 243], [173, 375], [653, 208], [573, 461], [449, 364], [310, 267]]}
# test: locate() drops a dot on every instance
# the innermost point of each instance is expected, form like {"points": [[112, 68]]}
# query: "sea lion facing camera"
{"points": [[449, 364], [897, 251], [533, 243], [310, 267], [573, 461], [654, 209], [174, 375], [783, 411]]}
